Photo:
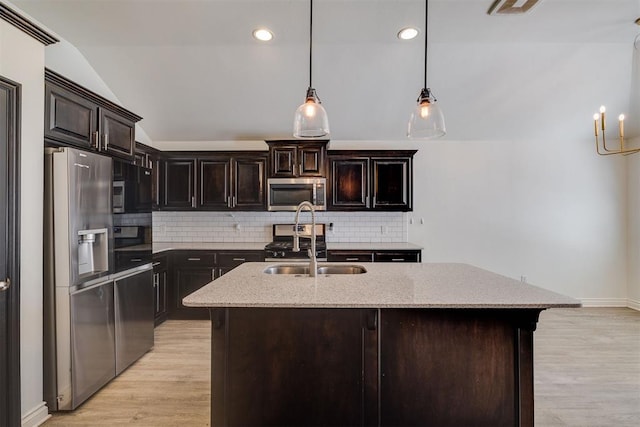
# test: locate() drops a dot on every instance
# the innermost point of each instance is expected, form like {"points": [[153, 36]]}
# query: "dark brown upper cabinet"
{"points": [[371, 180], [214, 181], [295, 158], [78, 117]]}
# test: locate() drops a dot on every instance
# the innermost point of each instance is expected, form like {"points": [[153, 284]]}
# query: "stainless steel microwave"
{"points": [[286, 193]]}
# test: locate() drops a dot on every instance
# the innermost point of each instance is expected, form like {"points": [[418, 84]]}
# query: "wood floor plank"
{"points": [[587, 374]]}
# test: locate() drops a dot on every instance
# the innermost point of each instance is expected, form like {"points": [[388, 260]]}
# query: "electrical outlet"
{"points": [[523, 279]]}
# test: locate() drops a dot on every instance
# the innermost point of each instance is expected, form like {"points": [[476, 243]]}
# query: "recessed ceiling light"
{"points": [[408, 33], [262, 34]]}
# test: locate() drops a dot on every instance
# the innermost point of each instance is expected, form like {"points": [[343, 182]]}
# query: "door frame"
{"points": [[10, 410]]}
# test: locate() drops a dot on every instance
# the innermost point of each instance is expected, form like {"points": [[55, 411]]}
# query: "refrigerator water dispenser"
{"points": [[93, 251]]}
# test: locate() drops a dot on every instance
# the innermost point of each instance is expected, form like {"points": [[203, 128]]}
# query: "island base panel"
{"points": [[438, 367]]}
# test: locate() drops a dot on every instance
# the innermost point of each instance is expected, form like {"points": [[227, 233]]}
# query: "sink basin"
{"points": [[341, 269], [322, 269]]}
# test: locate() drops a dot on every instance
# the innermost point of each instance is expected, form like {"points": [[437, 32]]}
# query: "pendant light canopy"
{"points": [[427, 120], [311, 119]]}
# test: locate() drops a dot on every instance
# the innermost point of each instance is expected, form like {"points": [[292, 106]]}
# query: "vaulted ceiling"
{"points": [[193, 71]]}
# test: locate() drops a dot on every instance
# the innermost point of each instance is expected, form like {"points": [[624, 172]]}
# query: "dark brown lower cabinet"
{"points": [[388, 367], [292, 367], [190, 270]]}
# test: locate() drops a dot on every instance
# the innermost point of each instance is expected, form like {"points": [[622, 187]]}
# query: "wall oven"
{"points": [[285, 194]]}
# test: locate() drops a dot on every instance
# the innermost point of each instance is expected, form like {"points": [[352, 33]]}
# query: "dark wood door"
{"points": [[215, 185], [118, 134], [10, 411], [284, 161], [293, 367], [249, 180], [447, 368], [391, 179], [160, 273], [179, 184], [192, 270], [349, 183], [228, 260], [311, 159], [70, 118]]}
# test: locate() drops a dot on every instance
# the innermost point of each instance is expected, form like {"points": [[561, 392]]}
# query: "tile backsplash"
{"points": [[256, 226]]}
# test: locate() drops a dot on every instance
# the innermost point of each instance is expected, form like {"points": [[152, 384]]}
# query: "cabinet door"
{"points": [[391, 179], [160, 270], [118, 134], [311, 160], [69, 118], [227, 261], [192, 270], [249, 192], [349, 183], [188, 280], [293, 367], [215, 186], [179, 183], [284, 161]]}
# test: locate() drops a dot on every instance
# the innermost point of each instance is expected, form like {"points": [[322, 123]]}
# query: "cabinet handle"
{"points": [[353, 259], [300, 169], [193, 201], [374, 201], [233, 202], [397, 259], [228, 201], [136, 259], [106, 141], [193, 259], [95, 143], [213, 274], [366, 201], [240, 259]]}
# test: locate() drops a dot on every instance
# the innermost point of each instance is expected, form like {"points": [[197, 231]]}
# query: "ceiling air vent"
{"points": [[511, 7]]}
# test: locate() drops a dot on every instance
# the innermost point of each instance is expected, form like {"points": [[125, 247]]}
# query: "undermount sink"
{"points": [[323, 269]]}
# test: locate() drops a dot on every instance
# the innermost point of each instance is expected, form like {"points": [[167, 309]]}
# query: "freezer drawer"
{"points": [[92, 343], [134, 317]]}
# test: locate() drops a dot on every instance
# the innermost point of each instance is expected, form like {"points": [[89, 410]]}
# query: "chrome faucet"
{"points": [[313, 262]]}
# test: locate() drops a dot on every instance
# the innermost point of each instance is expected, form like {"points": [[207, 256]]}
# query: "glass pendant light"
{"points": [[427, 120], [311, 119]]}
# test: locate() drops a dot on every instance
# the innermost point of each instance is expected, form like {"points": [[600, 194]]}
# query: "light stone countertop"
{"points": [[384, 285], [212, 246], [207, 246]]}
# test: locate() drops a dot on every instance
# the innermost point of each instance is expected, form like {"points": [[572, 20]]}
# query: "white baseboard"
{"points": [[37, 416], [605, 302], [634, 303]]}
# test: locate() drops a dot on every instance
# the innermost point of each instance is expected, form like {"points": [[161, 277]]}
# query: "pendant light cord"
{"points": [[426, 27], [310, 38]]}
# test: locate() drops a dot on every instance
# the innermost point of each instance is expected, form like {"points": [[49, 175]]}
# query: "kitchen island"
{"points": [[410, 344]]}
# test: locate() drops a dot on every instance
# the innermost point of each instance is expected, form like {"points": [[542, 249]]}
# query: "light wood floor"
{"points": [[587, 374]]}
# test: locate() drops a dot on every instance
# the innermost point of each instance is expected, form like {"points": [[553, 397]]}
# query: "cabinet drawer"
{"points": [[194, 259], [350, 256], [397, 256], [233, 259]]}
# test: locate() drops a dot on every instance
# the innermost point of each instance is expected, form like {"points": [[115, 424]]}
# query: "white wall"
{"points": [[22, 60], [633, 255]]}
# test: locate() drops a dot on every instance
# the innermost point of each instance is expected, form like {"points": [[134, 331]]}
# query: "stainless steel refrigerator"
{"points": [[87, 305]]}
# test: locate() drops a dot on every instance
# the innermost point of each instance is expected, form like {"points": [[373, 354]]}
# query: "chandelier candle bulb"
{"points": [[621, 125], [602, 110], [595, 124]]}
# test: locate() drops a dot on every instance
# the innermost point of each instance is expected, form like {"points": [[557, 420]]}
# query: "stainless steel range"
{"points": [[281, 248]]}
